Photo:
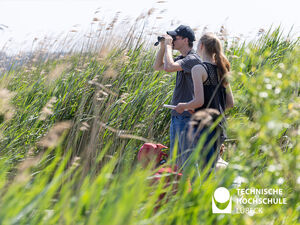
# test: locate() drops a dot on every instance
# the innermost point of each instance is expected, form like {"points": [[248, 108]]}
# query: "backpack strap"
{"points": [[207, 71]]}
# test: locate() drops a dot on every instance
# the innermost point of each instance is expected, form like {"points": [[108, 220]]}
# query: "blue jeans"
{"points": [[178, 129]]}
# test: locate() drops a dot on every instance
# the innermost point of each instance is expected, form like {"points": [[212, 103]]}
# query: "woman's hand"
{"points": [[180, 107]]}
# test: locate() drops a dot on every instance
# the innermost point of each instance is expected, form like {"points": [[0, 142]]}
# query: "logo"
{"points": [[246, 201], [223, 199]]}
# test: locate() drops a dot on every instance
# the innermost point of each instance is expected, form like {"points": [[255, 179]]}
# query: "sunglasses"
{"points": [[175, 38]]}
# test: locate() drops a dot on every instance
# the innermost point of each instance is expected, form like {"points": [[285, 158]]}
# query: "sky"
{"points": [[24, 20]]}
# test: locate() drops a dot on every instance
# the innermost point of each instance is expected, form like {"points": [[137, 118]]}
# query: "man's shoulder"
{"points": [[192, 58], [193, 55]]}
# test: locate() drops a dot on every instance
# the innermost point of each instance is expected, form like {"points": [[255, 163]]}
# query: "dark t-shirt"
{"points": [[214, 95], [184, 88], [214, 92]]}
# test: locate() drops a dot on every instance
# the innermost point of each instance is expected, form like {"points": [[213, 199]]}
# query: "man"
{"points": [[182, 40]]}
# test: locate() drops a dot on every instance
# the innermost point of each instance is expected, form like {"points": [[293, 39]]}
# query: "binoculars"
{"points": [[160, 38]]}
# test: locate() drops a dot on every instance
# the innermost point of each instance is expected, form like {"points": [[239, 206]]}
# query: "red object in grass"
{"points": [[150, 152]]}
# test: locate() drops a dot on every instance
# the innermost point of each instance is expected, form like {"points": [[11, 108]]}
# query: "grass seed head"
{"points": [[84, 126], [57, 71], [47, 109], [52, 138], [110, 73], [201, 119], [151, 11], [6, 109]]}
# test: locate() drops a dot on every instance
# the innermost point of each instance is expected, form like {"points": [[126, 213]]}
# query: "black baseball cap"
{"points": [[184, 31]]}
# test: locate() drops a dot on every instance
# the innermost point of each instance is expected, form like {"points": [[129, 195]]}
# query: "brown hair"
{"points": [[213, 48]]}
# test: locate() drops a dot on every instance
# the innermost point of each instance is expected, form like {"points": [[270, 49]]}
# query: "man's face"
{"points": [[179, 42]]}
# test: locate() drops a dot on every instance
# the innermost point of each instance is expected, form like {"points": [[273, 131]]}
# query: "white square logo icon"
{"points": [[221, 195]]}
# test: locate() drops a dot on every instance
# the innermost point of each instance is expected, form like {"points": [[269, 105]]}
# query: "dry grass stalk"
{"points": [[30, 161], [113, 22], [84, 126], [47, 109], [223, 34], [53, 136], [130, 136], [102, 93], [103, 53], [1, 135], [110, 73], [261, 31], [57, 71], [75, 162], [125, 134], [151, 11], [205, 29], [234, 56], [166, 76], [78, 70], [105, 89], [140, 17], [125, 58], [123, 97], [6, 109]]}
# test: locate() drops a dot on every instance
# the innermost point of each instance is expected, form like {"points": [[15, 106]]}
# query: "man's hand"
{"points": [[159, 60], [162, 42], [168, 40]]}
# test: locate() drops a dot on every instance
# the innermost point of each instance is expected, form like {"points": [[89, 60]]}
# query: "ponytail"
{"points": [[223, 67], [213, 47]]}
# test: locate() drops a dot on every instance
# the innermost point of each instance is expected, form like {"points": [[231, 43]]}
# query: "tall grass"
{"points": [[68, 151]]}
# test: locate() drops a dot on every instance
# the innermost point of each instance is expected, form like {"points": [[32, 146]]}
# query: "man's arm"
{"points": [[159, 63], [170, 65]]}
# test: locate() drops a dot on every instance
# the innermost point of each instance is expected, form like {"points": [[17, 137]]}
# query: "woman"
{"points": [[211, 87]]}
